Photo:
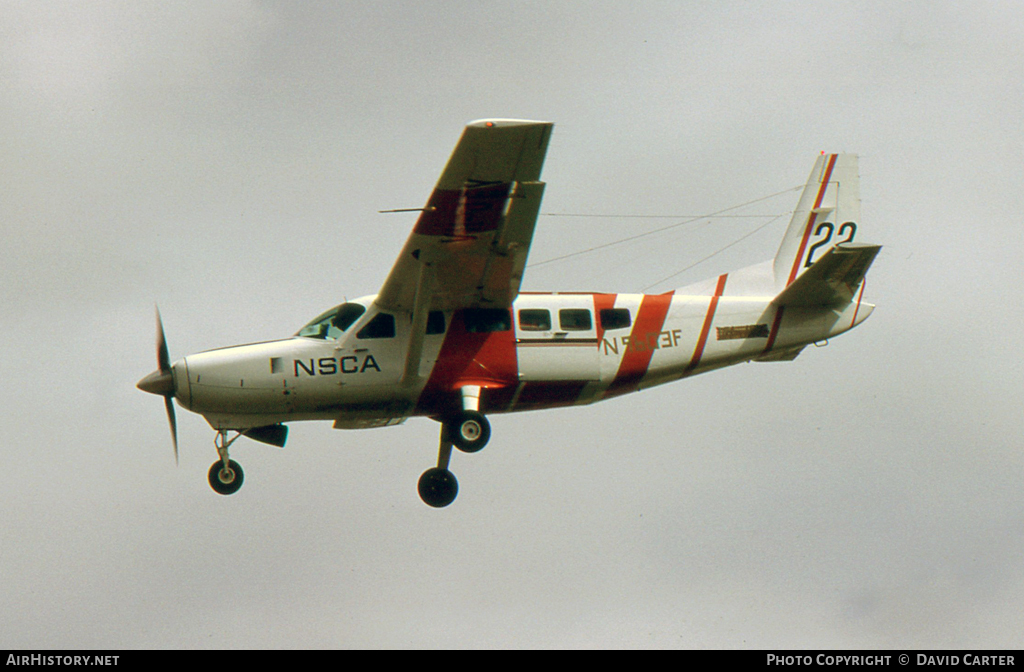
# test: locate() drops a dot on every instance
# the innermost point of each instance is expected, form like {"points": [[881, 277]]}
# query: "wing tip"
{"points": [[506, 123]]}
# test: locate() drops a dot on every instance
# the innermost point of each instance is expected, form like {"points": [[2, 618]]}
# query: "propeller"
{"points": [[161, 381]]}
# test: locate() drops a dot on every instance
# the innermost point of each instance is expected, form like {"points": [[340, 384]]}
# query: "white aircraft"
{"points": [[450, 336]]}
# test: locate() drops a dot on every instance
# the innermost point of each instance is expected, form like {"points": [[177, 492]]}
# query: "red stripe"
{"points": [[637, 357], [853, 323], [811, 219], [698, 352], [775, 330], [460, 212], [488, 360]]}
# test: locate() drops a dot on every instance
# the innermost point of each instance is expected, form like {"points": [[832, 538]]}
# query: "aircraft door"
{"points": [[556, 337]]}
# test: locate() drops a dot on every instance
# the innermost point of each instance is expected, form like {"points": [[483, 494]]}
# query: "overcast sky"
{"points": [[227, 160]]}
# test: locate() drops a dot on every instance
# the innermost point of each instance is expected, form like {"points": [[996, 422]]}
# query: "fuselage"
{"points": [[549, 350]]}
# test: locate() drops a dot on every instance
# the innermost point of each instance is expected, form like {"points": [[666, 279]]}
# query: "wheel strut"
{"points": [[468, 429], [438, 486]]}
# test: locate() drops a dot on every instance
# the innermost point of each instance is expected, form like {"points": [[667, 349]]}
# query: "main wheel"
{"points": [[226, 481], [438, 487], [469, 431]]}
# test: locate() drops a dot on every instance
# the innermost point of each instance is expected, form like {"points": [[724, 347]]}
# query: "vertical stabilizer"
{"points": [[828, 214]]}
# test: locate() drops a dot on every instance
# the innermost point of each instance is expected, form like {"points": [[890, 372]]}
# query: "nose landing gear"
{"points": [[226, 475]]}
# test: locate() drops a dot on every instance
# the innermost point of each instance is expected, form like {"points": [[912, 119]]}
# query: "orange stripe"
{"points": [[775, 330], [811, 218], [637, 359], [706, 329], [856, 310]]}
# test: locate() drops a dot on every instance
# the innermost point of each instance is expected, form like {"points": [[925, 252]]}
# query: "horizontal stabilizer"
{"points": [[831, 280]]}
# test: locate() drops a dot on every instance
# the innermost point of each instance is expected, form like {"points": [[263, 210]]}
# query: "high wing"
{"points": [[469, 246]]}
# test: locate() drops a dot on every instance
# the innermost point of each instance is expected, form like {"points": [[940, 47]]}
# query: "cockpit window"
{"points": [[347, 314], [334, 322]]}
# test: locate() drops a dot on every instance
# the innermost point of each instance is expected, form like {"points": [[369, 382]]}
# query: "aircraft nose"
{"points": [[158, 382]]}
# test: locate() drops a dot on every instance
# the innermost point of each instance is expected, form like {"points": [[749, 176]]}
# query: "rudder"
{"points": [[827, 214]]}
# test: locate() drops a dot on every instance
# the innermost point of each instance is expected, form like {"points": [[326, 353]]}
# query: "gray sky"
{"points": [[227, 160]]}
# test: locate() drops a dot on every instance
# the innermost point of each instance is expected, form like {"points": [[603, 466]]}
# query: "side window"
{"points": [[575, 319], [615, 318], [535, 319], [486, 320], [347, 314], [382, 326], [435, 322]]}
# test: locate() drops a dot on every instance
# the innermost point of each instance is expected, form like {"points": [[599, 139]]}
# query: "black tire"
{"points": [[469, 431], [438, 487], [226, 482]]}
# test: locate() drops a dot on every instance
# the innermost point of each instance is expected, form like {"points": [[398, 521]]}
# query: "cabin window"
{"points": [[381, 326], [575, 319], [486, 320], [615, 318], [535, 319], [435, 322]]}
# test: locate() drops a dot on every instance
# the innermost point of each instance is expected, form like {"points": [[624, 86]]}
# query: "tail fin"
{"points": [[827, 215]]}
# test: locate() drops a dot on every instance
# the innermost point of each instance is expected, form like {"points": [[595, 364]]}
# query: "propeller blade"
{"points": [[161, 381], [162, 359], [169, 405]]}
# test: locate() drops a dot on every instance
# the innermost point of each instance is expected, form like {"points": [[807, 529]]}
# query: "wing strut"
{"points": [[420, 311]]}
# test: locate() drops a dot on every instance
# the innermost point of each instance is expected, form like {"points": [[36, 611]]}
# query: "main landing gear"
{"points": [[468, 431], [225, 475]]}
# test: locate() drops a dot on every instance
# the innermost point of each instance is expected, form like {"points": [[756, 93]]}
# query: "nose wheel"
{"points": [[226, 475], [226, 479]]}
